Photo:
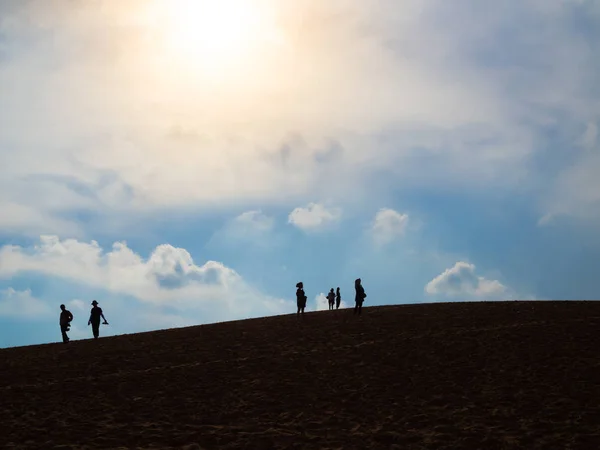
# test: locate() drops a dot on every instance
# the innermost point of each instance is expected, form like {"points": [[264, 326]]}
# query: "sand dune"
{"points": [[459, 375]]}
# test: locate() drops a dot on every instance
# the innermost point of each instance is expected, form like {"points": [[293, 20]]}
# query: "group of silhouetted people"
{"points": [[333, 298], [95, 315]]}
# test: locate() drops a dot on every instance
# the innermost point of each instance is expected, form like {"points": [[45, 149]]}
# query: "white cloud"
{"points": [[253, 228], [546, 219], [125, 127], [314, 216], [576, 190], [590, 136], [253, 221], [321, 303], [30, 220], [22, 304], [461, 280], [77, 304], [168, 277], [388, 226]]}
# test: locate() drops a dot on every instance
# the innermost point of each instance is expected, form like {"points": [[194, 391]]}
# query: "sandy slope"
{"points": [[461, 375]]}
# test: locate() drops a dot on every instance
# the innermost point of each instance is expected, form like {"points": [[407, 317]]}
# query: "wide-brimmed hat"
{"points": [[94, 302]]}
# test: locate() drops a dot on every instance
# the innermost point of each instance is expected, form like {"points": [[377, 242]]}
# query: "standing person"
{"points": [[300, 297], [338, 298], [331, 299], [360, 296], [94, 320], [65, 322]]}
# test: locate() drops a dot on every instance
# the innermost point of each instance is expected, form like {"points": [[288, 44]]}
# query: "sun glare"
{"points": [[214, 33]]}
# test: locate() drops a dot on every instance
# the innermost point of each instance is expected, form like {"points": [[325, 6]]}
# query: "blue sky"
{"points": [[188, 164]]}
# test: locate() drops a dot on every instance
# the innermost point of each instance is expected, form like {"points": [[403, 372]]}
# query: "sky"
{"points": [[189, 162]]}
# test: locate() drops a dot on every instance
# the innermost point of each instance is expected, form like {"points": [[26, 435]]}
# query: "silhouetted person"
{"points": [[360, 296], [65, 322], [338, 298], [331, 299], [94, 320], [300, 298]]}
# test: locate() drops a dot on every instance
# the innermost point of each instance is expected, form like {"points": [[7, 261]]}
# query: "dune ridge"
{"points": [[446, 375]]}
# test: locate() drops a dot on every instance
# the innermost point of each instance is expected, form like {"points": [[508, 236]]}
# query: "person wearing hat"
{"points": [[95, 316], [300, 298], [65, 322]]}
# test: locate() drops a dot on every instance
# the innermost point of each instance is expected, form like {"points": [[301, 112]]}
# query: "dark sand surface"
{"points": [[452, 376]]}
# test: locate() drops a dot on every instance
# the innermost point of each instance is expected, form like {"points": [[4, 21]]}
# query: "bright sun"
{"points": [[214, 33]]}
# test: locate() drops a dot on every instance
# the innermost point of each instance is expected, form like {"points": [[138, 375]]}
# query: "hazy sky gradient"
{"points": [[438, 150]]}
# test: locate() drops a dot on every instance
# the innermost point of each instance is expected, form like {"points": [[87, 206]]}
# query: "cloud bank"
{"points": [[168, 277], [113, 124]]}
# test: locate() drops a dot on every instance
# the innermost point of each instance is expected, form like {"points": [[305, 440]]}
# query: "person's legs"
{"points": [[63, 330], [359, 308], [96, 329]]}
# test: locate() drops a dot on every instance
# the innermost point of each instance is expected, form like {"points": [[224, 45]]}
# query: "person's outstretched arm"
{"points": [[105, 322]]}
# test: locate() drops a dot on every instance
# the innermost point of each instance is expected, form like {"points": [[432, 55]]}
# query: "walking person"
{"points": [[95, 315], [338, 298], [360, 296], [331, 299], [65, 322], [300, 298]]}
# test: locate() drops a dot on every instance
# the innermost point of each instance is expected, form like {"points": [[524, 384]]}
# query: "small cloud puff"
{"points": [[314, 216], [253, 221], [461, 280], [388, 225]]}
